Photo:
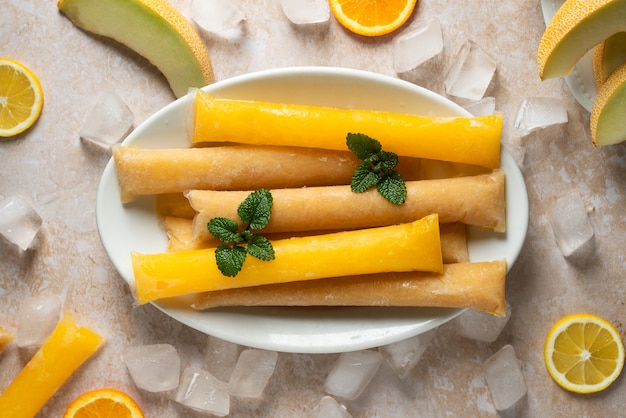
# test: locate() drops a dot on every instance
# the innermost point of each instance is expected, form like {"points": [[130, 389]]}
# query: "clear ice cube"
{"points": [[252, 372], [505, 378], [36, 318], [351, 373], [221, 357], [481, 325], [203, 392], [19, 221], [304, 12], [470, 73], [570, 223], [219, 17], [403, 355], [416, 44], [108, 121], [330, 408], [535, 113], [483, 107], [154, 368]]}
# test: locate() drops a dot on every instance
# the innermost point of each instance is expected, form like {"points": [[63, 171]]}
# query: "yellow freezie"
{"points": [[413, 246]]}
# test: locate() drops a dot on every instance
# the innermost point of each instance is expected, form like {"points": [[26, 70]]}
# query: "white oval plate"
{"points": [[134, 226], [580, 81]]}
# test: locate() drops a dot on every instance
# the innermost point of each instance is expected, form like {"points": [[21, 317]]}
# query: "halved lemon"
{"points": [[21, 98], [372, 17], [103, 403], [584, 353]]}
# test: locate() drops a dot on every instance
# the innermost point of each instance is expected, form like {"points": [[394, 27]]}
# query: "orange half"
{"points": [[103, 403], [372, 17]]}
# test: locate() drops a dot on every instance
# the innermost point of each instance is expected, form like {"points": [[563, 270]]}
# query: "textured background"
{"points": [[50, 167]]}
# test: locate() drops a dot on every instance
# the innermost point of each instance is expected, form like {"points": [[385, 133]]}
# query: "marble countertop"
{"points": [[52, 168]]}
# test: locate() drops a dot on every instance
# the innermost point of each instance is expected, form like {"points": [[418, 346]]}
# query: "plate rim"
{"points": [[182, 315]]}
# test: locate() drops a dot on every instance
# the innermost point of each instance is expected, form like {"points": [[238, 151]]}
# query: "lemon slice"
{"points": [[21, 98], [584, 353]]}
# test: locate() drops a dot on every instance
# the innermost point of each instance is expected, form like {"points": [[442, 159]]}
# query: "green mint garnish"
{"points": [[377, 169], [230, 255]]}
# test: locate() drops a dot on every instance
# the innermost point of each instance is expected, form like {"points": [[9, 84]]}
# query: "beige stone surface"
{"points": [[52, 168]]}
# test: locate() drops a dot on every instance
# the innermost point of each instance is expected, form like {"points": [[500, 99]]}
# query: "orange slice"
{"points": [[584, 353], [21, 98], [372, 17], [103, 403]]}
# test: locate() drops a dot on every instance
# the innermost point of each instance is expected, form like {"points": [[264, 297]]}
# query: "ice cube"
{"points": [[221, 357], [352, 373], [483, 107], [37, 317], [304, 12], [203, 392], [108, 121], [403, 355], [154, 368], [418, 43], [570, 223], [330, 408], [505, 378], [252, 372], [19, 221], [481, 325], [219, 17], [539, 112], [471, 72]]}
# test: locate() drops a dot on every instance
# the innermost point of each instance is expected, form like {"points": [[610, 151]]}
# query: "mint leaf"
{"points": [[363, 146], [224, 229], [388, 161], [261, 248], [256, 208], [363, 178], [230, 259], [230, 255], [392, 188], [376, 169]]}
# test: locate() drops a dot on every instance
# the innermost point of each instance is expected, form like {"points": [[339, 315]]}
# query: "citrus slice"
{"points": [[574, 29], [21, 98], [607, 122], [103, 403], [372, 17], [584, 353], [608, 56]]}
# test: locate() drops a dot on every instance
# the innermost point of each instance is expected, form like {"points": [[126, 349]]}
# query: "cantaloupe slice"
{"points": [[608, 125], [574, 29], [405, 247], [155, 30], [470, 140], [67, 347], [608, 56]]}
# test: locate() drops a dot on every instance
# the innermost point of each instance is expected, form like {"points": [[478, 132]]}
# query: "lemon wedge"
{"points": [[21, 98], [152, 28], [584, 353]]}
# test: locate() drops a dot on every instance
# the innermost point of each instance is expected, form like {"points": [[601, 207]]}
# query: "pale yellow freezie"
{"points": [[62, 353], [462, 285], [405, 247], [474, 200], [470, 140]]}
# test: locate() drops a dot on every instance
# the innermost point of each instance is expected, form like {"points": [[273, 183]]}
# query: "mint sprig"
{"points": [[230, 255], [377, 169]]}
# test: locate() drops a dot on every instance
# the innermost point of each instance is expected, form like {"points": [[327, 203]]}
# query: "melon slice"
{"points": [[152, 28]]}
